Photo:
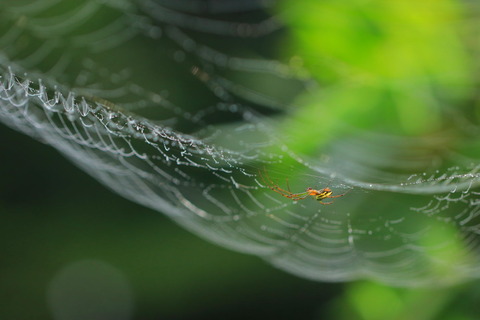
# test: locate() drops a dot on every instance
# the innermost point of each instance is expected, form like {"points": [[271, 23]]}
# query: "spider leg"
{"points": [[275, 187], [269, 183], [299, 196], [337, 196], [340, 195], [283, 192], [288, 186], [326, 203], [290, 195]]}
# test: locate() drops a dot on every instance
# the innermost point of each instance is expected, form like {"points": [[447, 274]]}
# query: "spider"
{"points": [[319, 195]]}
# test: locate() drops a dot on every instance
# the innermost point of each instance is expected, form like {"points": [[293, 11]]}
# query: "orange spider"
{"points": [[319, 195]]}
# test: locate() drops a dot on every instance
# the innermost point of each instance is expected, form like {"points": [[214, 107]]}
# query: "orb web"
{"points": [[179, 122]]}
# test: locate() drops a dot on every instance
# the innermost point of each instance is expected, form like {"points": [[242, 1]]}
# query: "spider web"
{"points": [[186, 124]]}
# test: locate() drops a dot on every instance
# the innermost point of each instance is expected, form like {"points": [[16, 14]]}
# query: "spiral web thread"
{"points": [[210, 176]]}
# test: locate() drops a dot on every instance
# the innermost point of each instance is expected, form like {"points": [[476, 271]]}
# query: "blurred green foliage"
{"points": [[395, 67]]}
